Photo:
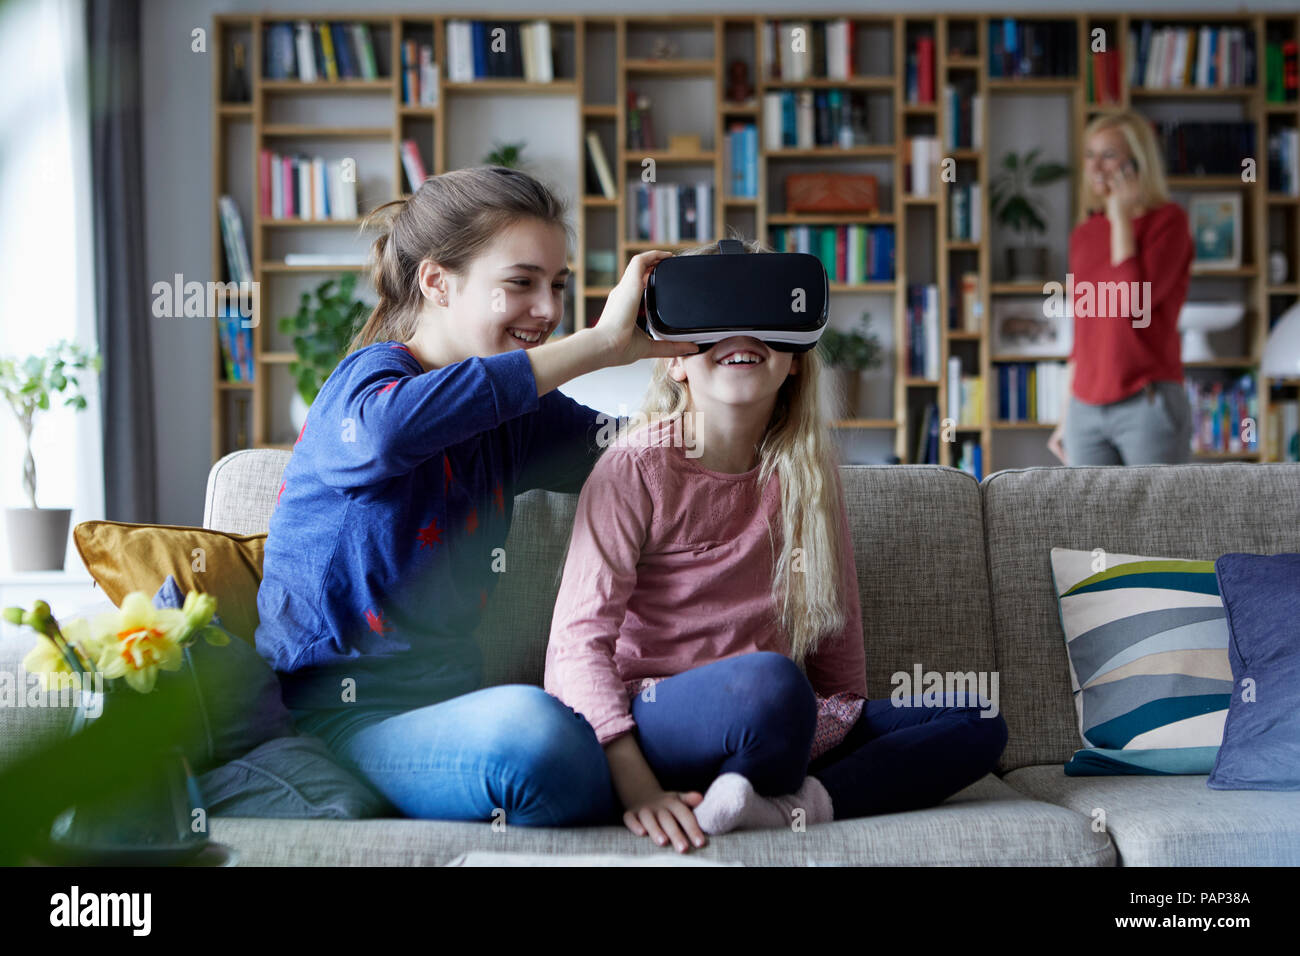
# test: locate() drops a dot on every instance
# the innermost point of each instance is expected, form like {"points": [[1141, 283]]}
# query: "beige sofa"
{"points": [[954, 575]]}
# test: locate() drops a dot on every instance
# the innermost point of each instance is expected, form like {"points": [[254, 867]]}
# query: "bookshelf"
{"points": [[601, 59]]}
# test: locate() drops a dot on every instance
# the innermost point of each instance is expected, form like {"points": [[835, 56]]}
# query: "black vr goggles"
{"points": [[780, 298]]}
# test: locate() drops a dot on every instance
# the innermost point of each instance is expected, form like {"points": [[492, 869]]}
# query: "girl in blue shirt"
{"points": [[390, 524]]}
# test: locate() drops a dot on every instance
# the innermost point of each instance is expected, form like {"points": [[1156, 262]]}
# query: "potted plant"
{"points": [[846, 355], [1018, 209], [509, 155], [38, 537], [322, 327]]}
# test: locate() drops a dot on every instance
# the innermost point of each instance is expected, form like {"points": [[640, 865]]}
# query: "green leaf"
{"points": [[1048, 173]]}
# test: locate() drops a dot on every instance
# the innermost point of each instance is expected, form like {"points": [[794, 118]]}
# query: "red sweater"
{"points": [[1113, 360]]}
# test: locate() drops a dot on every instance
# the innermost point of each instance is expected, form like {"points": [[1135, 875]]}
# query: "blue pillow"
{"points": [[1261, 737], [256, 763], [237, 694], [291, 778]]}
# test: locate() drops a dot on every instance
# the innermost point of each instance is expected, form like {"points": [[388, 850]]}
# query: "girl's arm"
{"points": [[562, 445], [614, 340], [613, 516], [609, 530], [381, 415]]}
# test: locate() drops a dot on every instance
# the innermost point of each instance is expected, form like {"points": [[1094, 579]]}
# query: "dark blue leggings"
{"points": [[755, 715]]}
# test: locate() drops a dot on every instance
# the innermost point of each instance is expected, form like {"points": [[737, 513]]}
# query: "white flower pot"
{"points": [[38, 537], [297, 413]]}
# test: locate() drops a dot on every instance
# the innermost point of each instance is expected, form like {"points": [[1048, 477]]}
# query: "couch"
{"points": [[953, 575]]}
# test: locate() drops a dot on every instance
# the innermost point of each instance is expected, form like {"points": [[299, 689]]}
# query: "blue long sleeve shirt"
{"points": [[379, 556]]}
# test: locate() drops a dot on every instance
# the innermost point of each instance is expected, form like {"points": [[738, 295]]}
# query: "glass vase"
{"points": [[150, 825]]}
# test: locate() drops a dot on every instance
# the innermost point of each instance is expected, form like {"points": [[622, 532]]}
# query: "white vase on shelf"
{"points": [[297, 412]]}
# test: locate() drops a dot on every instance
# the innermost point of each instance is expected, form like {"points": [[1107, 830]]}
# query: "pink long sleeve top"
{"points": [[670, 568]]}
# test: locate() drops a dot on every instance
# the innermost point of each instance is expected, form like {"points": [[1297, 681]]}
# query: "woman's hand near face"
{"points": [[1122, 193]]}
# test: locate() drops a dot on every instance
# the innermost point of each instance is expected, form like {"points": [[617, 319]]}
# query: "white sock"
{"points": [[732, 803]]}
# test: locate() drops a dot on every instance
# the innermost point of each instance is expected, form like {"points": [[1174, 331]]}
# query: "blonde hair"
{"points": [[450, 219], [797, 447], [1153, 190]]}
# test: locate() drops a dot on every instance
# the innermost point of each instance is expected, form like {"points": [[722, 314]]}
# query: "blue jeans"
{"points": [[512, 752], [755, 715]]}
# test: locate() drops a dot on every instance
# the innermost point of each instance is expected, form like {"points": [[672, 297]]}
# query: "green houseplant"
{"points": [[846, 355], [38, 537], [509, 155], [321, 329], [1015, 207]]}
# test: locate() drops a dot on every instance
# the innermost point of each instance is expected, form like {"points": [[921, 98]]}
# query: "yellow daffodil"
{"points": [[138, 640], [51, 667], [134, 641]]}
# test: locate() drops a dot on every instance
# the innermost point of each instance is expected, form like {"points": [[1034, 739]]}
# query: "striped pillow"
{"points": [[1147, 640]]}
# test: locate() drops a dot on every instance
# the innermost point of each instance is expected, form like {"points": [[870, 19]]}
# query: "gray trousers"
{"points": [[1152, 427]]}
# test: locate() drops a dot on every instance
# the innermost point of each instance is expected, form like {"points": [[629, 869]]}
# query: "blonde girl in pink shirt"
{"points": [[708, 624]]}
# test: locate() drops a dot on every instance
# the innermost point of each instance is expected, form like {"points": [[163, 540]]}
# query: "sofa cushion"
{"points": [[291, 777], [236, 693], [988, 823], [242, 489], [1176, 820], [1147, 640], [1195, 511], [918, 546], [1261, 742], [124, 557]]}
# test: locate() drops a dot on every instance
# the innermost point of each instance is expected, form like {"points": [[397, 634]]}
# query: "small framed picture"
{"points": [[1024, 326], [1215, 220]]}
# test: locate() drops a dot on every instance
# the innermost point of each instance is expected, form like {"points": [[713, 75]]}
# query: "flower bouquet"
{"points": [[166, 821]]}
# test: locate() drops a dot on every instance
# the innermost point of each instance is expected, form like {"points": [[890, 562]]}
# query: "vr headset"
{"points": [[780, 298]]}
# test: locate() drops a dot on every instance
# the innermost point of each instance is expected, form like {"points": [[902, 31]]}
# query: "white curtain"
{"points": [[46, 261]]}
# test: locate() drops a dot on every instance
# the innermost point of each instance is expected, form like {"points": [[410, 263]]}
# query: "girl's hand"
{"points": [[624, 341], [1122, 193], [664, 815], [1055, 444]]}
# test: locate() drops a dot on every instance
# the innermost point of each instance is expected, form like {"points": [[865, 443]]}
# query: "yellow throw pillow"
{"points": [[138, 557]]}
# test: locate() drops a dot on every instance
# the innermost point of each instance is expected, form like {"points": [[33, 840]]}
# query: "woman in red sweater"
{"points": [[1130, 257]]}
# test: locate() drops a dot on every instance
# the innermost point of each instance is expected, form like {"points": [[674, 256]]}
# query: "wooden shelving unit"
{"points": [[740, 36]]}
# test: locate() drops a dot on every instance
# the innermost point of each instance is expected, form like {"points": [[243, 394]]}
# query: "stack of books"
{"points": [[499, 49], [740, 159], [234, 329], [319, 51], [809, 49], [419, 74], [965, 213], [918, 83], [1030, 391], [965, 395], [1032, 48], [1180, 57], [804, 119], [1205, 148], [851, 254], [669, 212], [923, 331], [304, 187]]}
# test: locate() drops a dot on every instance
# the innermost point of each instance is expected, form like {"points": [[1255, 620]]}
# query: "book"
{"points": [[600, 166], [325, 259], [412, 164]]}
